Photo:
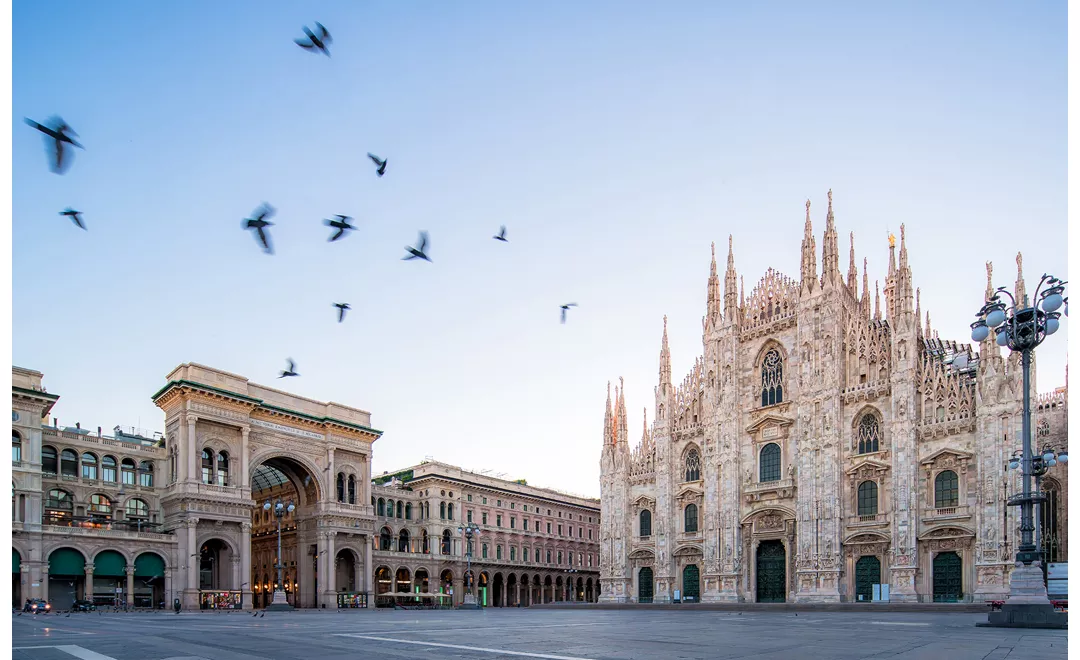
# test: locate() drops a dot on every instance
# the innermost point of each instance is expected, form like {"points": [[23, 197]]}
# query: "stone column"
{"points": [[245, 479], [168, 595], [459, 589], [191, 562], [245, 550], [130, 591], [42, 590], [369, 572], [88, 583], [193, 449], [330, 467], [329, 590]]}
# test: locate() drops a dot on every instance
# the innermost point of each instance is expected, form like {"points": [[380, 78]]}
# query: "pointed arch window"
{"points": [[693, 465], [352, 489], [868, 434], [446, 542], [408, 511], [382, 507], [645, 523], [403, 541], [207, 466], [450, 511], [389, 508], [400, 509], [442, 510], [769, 463], [690, 522], [425, 546], [946, 490], [868, 504], [772, 376]]}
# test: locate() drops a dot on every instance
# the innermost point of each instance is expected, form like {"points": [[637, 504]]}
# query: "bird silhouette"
{"points": [[263, 615], [418, 251], [313, 43], [255, 614], [502, 235], [342, 225], [57, 135], [564, 308], [341, 311], [381, 163], [259, 224], [74, 215], [291, 371]]}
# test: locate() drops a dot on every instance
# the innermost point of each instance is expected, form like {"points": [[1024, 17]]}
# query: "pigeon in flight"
{"points": [[341, 311], [502, 235], [313, 43], [342, 225], [57, 136], [381, 163], [259, 224], [564, 308], [74, 215], [291, 371], [418, 251]]}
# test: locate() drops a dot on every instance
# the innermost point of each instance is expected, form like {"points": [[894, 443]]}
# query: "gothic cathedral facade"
{"points": [[824, 449]]}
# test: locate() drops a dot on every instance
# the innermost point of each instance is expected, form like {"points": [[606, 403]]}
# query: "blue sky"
{"points": [[616, 140]]}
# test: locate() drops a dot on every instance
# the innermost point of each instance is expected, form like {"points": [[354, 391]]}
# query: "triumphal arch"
{"points": [[232, 445]]}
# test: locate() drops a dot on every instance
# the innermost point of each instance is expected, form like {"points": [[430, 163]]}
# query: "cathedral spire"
{"points": [[730, 301], [609, 425], [665, 358], [929, 331], [809, 255], [645, 425], [918, 312], [877, 301], [620, 416], [852, 271], [865, 288], [830, 251], [714, 290], [1020, 291], [742, 300]]}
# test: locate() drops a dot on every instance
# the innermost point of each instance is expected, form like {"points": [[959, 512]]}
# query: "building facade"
{"points": [[823, 444], [535, 545], [145, 519]]}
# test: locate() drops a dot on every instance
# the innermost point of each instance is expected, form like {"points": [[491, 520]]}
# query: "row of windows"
{"points": [[387, 542], [67, 464], [220, 476], [346, 489], [946, 495], [60, 504]]}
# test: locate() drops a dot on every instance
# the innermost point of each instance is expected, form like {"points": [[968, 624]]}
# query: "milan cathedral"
{"points": [[825, 448]]}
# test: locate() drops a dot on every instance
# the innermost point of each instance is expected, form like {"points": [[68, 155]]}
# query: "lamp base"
{"points": [[469, 603], [280, 603], [1027, 605]]}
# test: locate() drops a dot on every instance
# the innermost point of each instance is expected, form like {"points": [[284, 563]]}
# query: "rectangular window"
{"points": [[560, 556], [470, 497], [537, 526], [549, 556], [590, 534], [128, 476], [513, 522], [498, 502], [560, 530], [108, 474], [468, 515], [485, 550], [498, 521], [525, 524], [511, 505], [485, 500], [537, 560], [549, 528], [513, 553], [580, 532], [89, 471], [483, 518], [498, 552]]}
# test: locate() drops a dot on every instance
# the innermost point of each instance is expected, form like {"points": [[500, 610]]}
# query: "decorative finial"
{"points": [[830, 198], [1019, 264], [892, 240], [989, 272], [729, 242], [714, 250], [901, 232], [665, 324]]}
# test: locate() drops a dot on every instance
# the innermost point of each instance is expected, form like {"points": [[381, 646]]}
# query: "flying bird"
{"points": [[74, 215], [564, 308], [259, 224], [381, 163], [313, 43], [291, 371], [502, 235], [57, 136], [342, 225], [418, 251], [341, 311]]}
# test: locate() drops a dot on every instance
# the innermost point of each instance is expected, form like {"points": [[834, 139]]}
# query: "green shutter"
{"points": [[66, 561], [15, 560], [148, 565], [110, 564]]}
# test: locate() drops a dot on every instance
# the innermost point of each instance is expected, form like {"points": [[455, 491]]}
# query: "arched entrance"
{"points": [[67, 577], [149, 580], [421, 582], [867, 574], [16, 579], [536, 593], [483, 586], [345, 571], [110, 579], [446, 582], [284, 480], [645, 585], [691, 579], [403, 580], [948, 577], [548, 589], [497, 591], [511, 590], [771, 572]]}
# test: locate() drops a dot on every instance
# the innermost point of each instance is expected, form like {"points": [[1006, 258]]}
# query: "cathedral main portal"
{"points": [[771, 572]]}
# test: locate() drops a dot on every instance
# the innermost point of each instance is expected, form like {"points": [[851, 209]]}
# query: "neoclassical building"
{"points": [[535, 545], [823, 443], [141, 519]]}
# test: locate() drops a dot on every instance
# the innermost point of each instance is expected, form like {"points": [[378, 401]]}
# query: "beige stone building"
{"points": [[825, 442], [535, 544], [140, 519]]}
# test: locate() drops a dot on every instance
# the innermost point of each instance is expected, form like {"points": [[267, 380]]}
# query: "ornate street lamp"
{"points": [[281, 601], [1021, 326], [469, 530]]}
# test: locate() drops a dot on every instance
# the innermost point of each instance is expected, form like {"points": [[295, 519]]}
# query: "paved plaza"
{"points": [[523, 633]]}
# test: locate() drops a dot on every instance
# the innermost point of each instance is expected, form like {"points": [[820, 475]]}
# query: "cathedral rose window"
{"points": [[772, 371]]}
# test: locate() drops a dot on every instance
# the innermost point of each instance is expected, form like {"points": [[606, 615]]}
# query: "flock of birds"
{"points": [[59, 143]]}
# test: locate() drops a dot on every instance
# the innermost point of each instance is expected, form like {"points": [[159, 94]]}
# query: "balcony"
{"points": [[127, 529], [781, 487], [945, 513], [867, 520]]}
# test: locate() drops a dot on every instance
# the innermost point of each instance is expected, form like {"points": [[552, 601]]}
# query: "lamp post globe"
{"points": [[1021, 326]]}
